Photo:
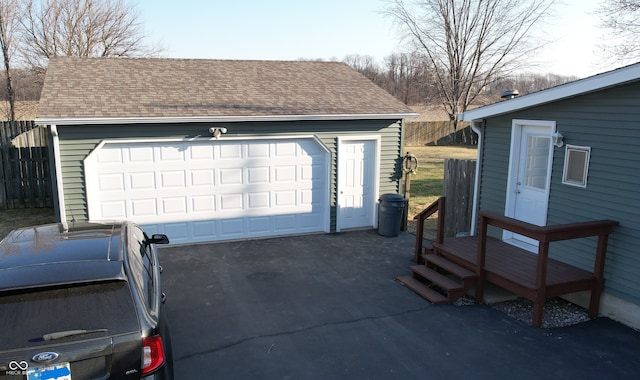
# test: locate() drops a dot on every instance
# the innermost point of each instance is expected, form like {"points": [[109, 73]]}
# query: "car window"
{"points": [[28, 316], [142, 263]]}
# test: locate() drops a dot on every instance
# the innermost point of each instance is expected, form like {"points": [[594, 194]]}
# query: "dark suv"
{"points": [[82, 301]]}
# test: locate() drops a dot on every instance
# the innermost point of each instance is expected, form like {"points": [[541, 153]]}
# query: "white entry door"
{"points": [[356, 183], [529, 179]]}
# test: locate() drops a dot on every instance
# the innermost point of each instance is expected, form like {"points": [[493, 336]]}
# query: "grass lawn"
{"points": [[426, 184]]}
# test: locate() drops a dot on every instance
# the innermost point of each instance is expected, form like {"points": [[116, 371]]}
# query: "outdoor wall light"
{"points": [[216, 132], [557, 139]]}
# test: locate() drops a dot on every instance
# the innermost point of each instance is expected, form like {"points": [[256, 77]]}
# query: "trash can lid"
{"points": [[391, 198]]}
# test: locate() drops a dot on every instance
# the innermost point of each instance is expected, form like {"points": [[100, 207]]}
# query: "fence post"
{"points": [[459, 180]]}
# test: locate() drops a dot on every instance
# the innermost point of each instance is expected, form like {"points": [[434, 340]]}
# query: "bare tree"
{"points": [[404, 75], [84, 28], [8, 22], [409, 78], [469, 43], [620, 20]]}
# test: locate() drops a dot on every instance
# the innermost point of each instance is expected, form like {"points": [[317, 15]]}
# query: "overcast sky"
{"points": [[331, 30]]}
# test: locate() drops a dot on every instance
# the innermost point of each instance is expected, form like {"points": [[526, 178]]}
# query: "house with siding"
{"points": [[570, 154], [208, 150]]}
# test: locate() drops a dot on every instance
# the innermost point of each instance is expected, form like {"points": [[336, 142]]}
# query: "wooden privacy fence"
{"points": [[418, 133], [25, 178], [459, 180]]}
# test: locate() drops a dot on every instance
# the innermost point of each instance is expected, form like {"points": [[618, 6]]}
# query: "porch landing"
{"points": [[481, 259], [514, 268]]}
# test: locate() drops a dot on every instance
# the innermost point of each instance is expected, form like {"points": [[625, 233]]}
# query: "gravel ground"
{"points": [[557, 312]]}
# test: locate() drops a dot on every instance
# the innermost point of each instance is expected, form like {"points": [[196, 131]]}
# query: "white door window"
{"points": [[529, 178], [356, 183]]}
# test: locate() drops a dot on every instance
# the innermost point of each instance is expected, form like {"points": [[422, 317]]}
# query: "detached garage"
{"points": [[207, 150]]}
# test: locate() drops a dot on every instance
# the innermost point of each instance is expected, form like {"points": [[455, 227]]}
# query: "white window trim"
{"points": [[565, 181]]}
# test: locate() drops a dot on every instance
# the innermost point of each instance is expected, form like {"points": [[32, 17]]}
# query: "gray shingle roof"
{"points": [[121, 88]]}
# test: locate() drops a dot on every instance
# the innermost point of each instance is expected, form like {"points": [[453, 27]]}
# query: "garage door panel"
{"points": [[258, 175], [230, 151], [203, 204], [259, 225], [259, 200], [231, 202], [114, 210], [111, 182], [201, 153], [171, 179], [285, 223], [202, 178], [230, 176], [203, 229], [142, 181], [175, 205], [172, 229], [143, 208], [231, 227], [207, 190]]}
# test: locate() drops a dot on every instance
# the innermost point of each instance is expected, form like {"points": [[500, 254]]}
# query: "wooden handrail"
{"points": [[544, 235], [549, 233], [437, 206]]}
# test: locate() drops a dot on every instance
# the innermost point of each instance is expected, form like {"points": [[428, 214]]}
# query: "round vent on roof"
{"points": [[509, 94]]}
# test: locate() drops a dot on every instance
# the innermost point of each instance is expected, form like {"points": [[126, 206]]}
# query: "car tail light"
{"points": [[152, 354]]}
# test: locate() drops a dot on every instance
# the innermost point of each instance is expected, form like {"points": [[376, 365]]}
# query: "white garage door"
{"points": [[207, 190]]}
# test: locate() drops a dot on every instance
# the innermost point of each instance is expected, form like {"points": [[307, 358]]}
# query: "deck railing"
{"points": [[439, 207], [545, 235]]}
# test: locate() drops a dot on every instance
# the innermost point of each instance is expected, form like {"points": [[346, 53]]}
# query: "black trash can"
{"points": [[390, 211]]}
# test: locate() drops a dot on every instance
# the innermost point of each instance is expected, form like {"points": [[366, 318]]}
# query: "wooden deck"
{"points": [[534, 276], [514, 268]]}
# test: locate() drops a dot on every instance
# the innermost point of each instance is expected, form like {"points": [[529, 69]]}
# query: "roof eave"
{"points": [[216, 119], [580, 87]]}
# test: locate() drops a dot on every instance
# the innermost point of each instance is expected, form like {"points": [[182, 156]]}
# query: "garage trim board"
{"points": [[203, 189]]}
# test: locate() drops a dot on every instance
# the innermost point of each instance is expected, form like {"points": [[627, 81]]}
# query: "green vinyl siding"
{"points": [[608, 121], [76, 142], [494, 169]]}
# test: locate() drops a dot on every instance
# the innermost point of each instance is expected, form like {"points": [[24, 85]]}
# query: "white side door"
{"points": [[357, 168], [529, 178]]}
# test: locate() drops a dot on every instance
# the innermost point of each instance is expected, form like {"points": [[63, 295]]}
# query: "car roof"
{"points": [[61, 253]]}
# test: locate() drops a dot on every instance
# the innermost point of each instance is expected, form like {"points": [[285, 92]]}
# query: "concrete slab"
{"points": [[327, 307]]}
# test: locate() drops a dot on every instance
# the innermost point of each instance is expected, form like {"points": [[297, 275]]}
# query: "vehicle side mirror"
{"points": [[158, 239]]}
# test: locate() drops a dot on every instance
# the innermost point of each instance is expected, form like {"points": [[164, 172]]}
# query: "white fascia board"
{"points": [[217, 119], [583, 86]]}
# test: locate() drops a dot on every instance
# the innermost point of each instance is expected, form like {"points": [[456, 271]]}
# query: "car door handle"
{"points": [[163, 298], [160, 268]]}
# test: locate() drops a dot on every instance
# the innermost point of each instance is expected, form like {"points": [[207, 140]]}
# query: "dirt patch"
{"points": [[16, 218]]}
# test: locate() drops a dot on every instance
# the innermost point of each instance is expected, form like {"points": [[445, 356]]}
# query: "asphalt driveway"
{"points": [[327, 307]]}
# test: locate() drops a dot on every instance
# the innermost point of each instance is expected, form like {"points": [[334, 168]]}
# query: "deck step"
{"points": [[422, 289], [436, 278], [450, 267]]}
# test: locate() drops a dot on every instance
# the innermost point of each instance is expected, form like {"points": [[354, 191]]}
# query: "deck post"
{"points": [[541, 282], [598, 271], [441, 214], [419, 237], [480, 259]]}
